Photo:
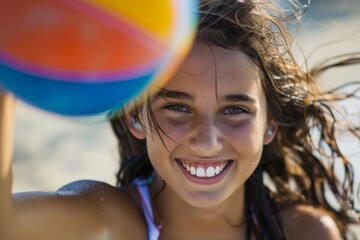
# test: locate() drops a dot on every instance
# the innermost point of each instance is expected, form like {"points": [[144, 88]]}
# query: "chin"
{"points": [[205, 199]]}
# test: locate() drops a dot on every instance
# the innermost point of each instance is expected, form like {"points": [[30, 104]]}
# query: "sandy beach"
{"points": [[51, 151]]}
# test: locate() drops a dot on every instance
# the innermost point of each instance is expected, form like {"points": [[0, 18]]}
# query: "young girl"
{"points": [[223, 151]]}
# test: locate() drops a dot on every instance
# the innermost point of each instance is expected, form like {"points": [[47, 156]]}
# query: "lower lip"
{"points": [[205, 180]]}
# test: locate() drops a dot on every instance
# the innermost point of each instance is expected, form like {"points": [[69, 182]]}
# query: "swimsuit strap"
{"points": [[142, 188]]}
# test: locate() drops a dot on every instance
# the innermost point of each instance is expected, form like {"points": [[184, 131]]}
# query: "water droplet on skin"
{"points": [[149, 150], [253, 165]]}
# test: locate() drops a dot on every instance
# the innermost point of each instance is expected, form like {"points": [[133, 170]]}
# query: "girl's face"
{"points": [[214, 121]]}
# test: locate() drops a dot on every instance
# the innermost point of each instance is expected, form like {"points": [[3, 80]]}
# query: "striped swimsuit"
{"points": [[142, 188]]}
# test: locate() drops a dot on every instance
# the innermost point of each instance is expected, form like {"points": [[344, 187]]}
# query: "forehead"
{"points": [[208, 67]]}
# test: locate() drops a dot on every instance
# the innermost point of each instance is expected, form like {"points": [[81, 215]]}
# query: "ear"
{"points": [[133, 124], [270, 132]]}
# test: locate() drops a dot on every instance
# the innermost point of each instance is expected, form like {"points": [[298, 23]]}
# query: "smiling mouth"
{"points": [[204, 170]]}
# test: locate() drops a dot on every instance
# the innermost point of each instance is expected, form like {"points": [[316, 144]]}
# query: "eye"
{"points": [[233, 110], [177, 108]]}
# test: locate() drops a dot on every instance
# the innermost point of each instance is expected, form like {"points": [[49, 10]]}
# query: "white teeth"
{"points": [[210, 172], [202, 171], [192, 170]]}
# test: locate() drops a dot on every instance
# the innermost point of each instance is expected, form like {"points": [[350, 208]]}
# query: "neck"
{"points": [[225, 220]]}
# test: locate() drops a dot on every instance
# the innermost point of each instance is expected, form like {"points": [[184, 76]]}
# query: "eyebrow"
{"points": [[238, 97], [166, 93]]}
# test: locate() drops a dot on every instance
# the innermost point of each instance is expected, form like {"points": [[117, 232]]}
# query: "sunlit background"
{"points": [[51, 151]]}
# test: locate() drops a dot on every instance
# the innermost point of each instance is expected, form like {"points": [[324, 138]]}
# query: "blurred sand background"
{"points": [[51, 151]]}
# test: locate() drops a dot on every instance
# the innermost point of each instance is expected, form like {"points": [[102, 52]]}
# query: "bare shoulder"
{"points": [[113, 204], [307, 222], [79, 210]]}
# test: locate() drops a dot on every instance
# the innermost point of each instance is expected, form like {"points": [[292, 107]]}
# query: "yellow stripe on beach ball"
{"points": [[141, 12]]}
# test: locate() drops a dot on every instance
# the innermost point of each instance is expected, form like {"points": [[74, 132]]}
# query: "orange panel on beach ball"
{"points": [[73, 38]]}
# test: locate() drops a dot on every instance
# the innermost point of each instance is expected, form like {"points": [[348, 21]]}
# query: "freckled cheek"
{"points": [[174, 130], [247, 143], [162, 144], [246, 135], [239, 131]]}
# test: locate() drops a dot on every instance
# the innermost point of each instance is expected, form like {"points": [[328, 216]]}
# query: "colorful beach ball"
{"points": [[88, 57]]}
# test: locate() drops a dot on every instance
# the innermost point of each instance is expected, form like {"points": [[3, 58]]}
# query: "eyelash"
{"points": [[175, 108], [239, 110], [226, 111]]}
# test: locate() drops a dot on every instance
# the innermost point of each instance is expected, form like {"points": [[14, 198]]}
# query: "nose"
{"points": [[206, 140]]}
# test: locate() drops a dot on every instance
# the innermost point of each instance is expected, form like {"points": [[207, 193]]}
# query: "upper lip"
{"points": [[202, 161]]}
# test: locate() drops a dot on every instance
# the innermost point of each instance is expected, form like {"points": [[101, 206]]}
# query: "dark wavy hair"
{"points": [[299, 163]]}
